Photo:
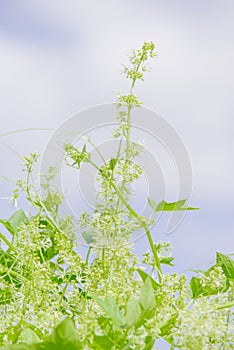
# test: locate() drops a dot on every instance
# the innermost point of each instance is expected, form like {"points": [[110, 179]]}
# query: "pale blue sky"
{"points": [[60, 57]]}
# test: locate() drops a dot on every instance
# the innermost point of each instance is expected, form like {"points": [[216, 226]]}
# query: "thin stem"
{"points": [[128, 137], [103, 258], [39, 203], [97, 150], [10, 245], [65, 287], [139, 219], [134, 213], [12, 273], [87, 256]]}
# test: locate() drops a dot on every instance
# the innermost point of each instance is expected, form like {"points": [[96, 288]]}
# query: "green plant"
{"points": [[51, 298]]}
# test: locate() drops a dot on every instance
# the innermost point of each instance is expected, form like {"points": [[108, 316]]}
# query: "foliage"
{"points": [[52, 298]]}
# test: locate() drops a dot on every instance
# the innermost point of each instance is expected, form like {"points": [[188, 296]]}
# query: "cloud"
{"points": [[44, 79]]}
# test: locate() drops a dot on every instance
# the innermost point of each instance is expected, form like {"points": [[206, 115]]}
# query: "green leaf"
{"points": [[167, 261], [8, 261], [101, 342], [227, 265], [145, 275], [112, 163], [29, 337], [64, 337], [84, 150], [20, 347], [112, 310], [149, 343], [147, 298], [5, 296], [133, 312], [166, 327], [88, 237], [199, 290], [172, 206], [196, 287], [152, 203], [15, 221]]}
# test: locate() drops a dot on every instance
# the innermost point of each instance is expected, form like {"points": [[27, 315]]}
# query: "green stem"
{"points": [[65, 287], [103, 258], [139, 219], [12, 273], [97, 150], [39, 203], [87, 256], [7, 242], [134, 213]]}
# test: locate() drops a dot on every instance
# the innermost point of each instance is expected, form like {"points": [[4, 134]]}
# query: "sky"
{"points": [[59, 58]]}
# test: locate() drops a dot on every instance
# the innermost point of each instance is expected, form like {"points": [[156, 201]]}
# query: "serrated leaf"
{"points": [[172, 206], [166, 327], [196, 287], [64, 337], [133, 312], [147, 298], [227, 264], [112, 309], [101, 342], [145, 275], [199, 290], [15, 221], [29, 337]]}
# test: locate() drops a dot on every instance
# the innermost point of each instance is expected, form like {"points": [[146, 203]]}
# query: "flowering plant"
{"points": [[52, 298]]}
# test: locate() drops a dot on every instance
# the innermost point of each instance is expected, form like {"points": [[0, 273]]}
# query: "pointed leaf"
{"points": [[196, 287], [133, 312], [101, 342], [64, 337], [29, 337], [147, 298], [149, 343], [145, 275], [112, 310], [112, 163], [15, 221], [172, 206], [167, 261], [88, 237], [227, 264]]}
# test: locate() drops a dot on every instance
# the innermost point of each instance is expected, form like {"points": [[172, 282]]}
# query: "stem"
{"points": [[139, 219], [39, 203], [134, 213], [65, 287], [103, 258], [12, 273], [7, 242], [97, 150], [128, 137], [87, 256], [130, 109]]}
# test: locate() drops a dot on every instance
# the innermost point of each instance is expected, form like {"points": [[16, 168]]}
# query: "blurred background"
{"points": [[61, 57]]}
